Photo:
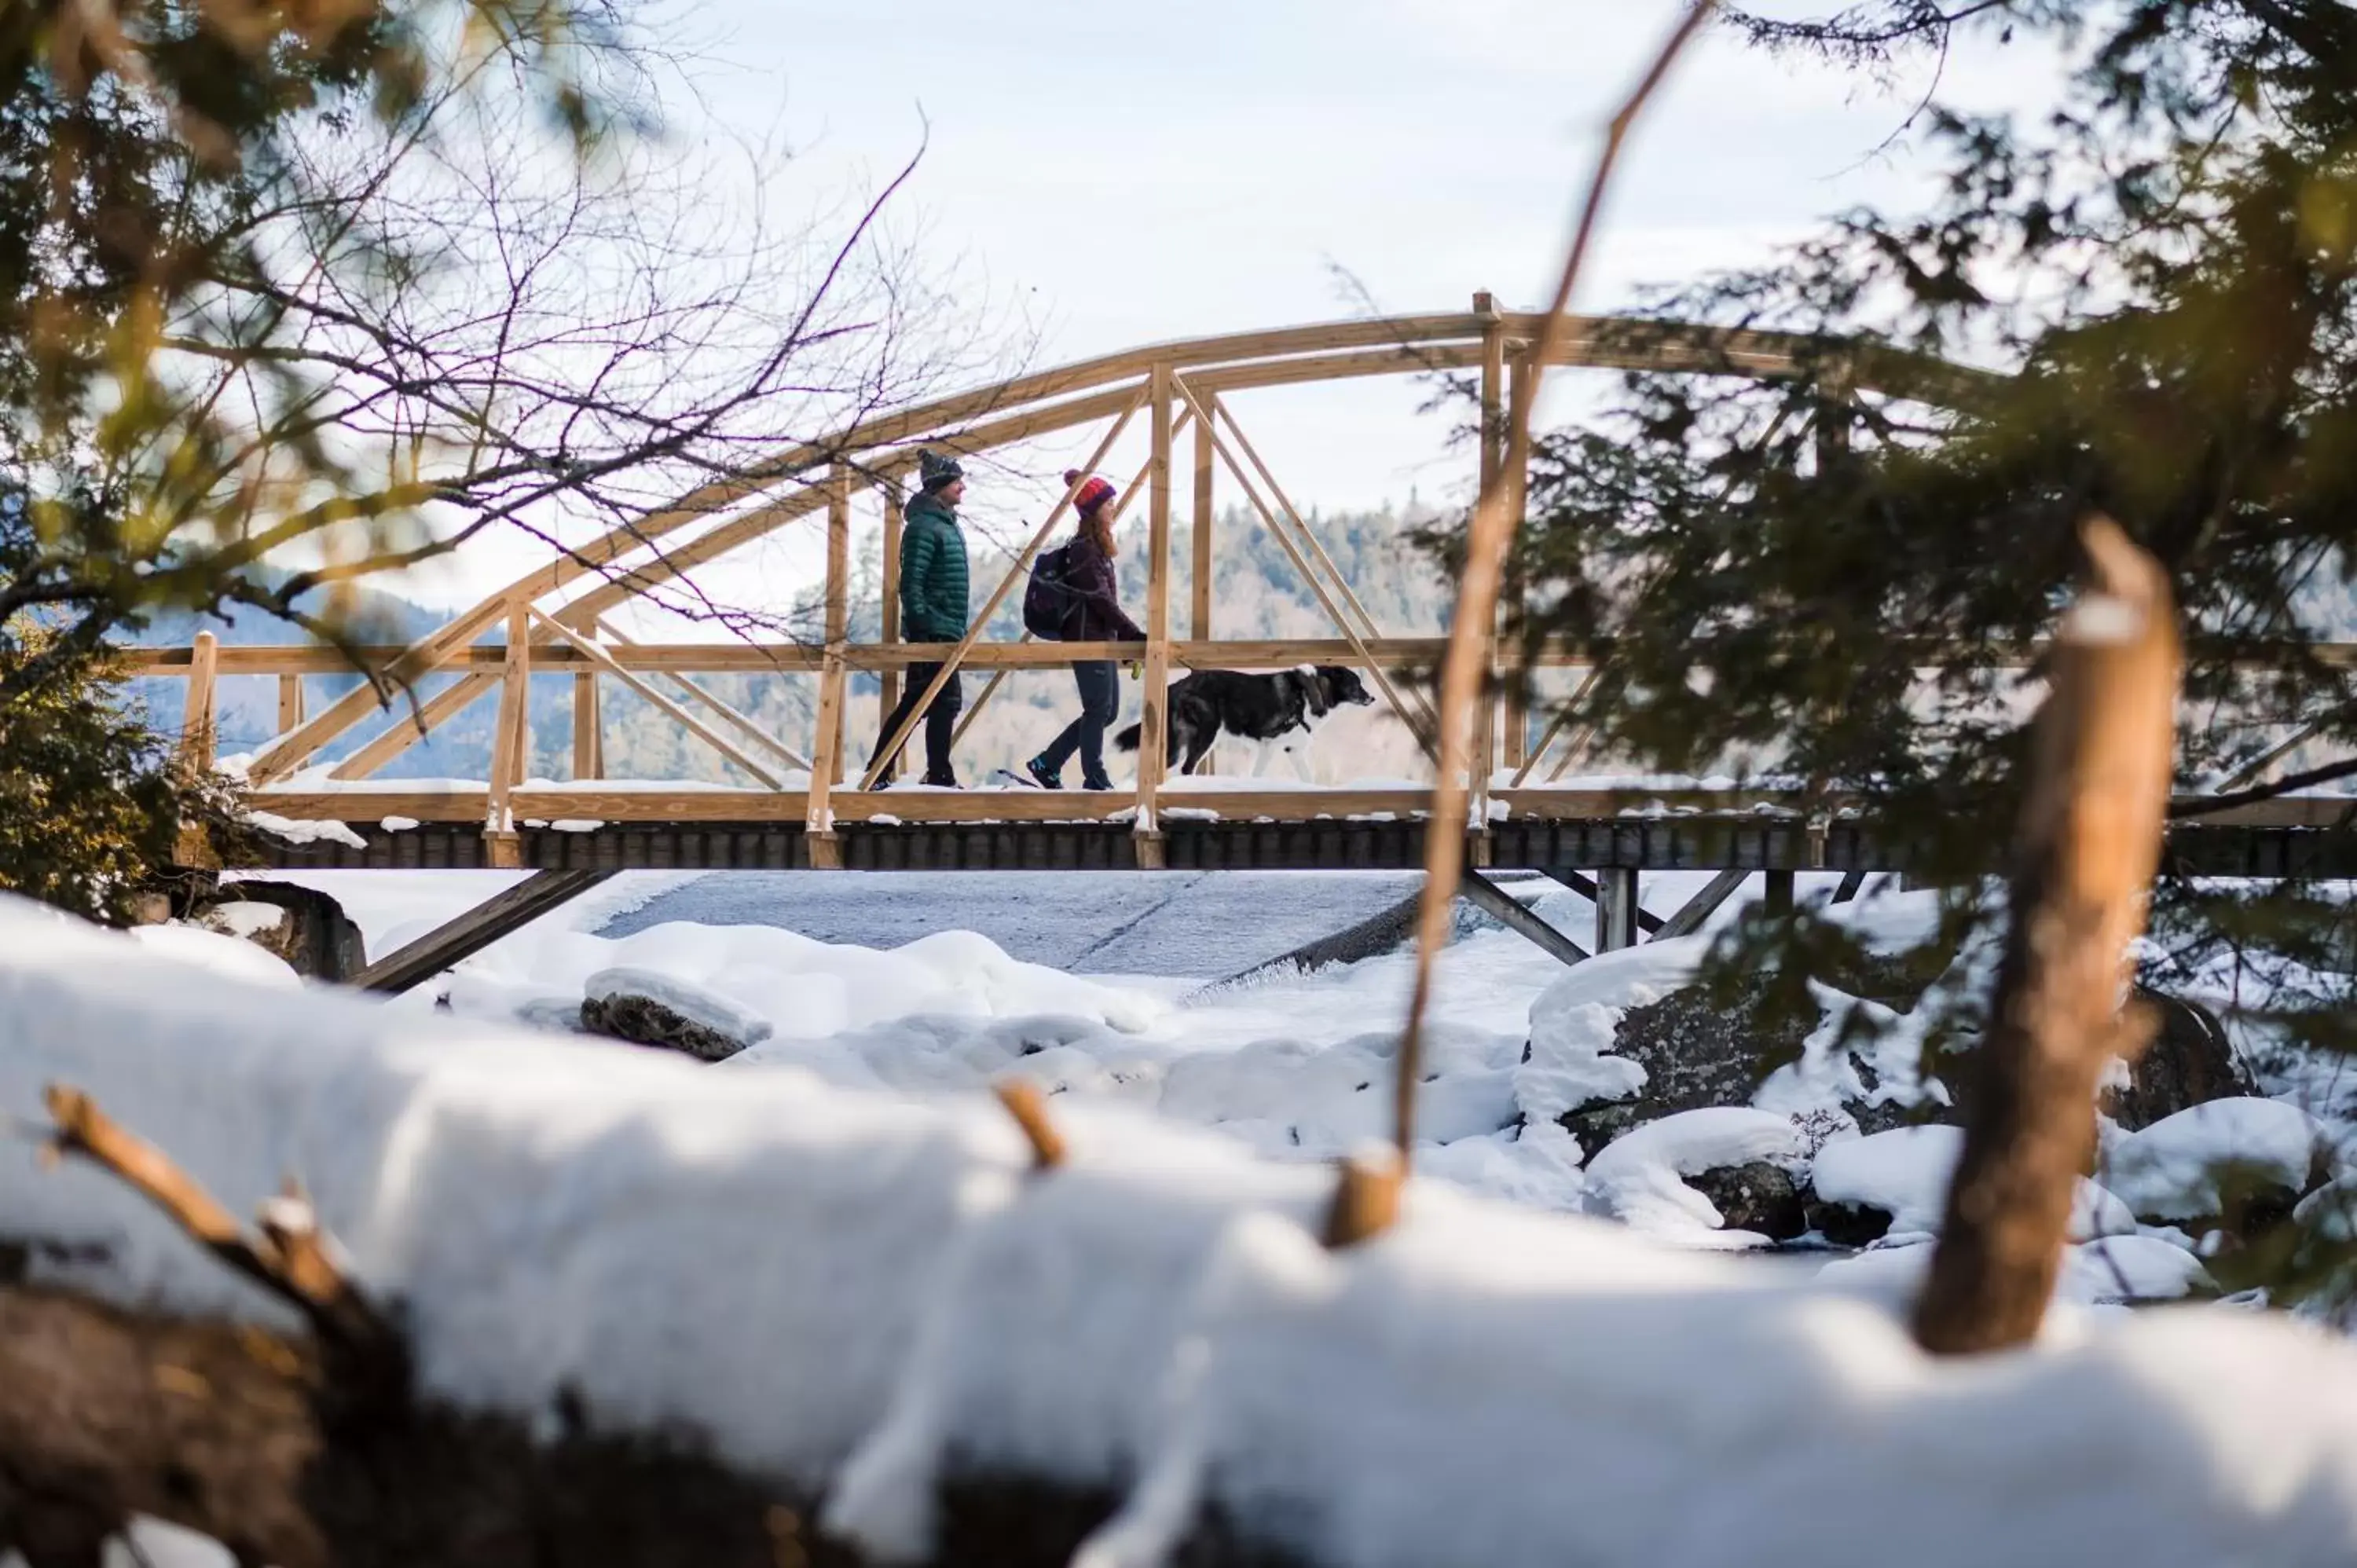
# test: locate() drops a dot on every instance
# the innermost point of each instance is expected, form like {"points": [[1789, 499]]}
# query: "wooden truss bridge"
{"points": [[809, 809]]}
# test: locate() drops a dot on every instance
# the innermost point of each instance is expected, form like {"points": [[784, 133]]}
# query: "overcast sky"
{"points": [[1123, 173]]}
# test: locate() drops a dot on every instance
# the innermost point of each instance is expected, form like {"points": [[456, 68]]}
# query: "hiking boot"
{"points": [[941, 781], [1043, 776], [1097, 784]]}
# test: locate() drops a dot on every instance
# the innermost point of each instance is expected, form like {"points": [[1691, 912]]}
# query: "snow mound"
{"points": [[1905, 1173], [2114, 1269], [296, 829], [802, 989], [855, 1293], [1827, 1077], [233, 956], [2170, 1170]]}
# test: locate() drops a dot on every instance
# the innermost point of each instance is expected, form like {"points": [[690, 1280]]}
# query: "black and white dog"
{"points": [[1250, 707]]}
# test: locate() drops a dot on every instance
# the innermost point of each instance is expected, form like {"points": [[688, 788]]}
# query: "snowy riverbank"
{"points": [[858, 1290]]}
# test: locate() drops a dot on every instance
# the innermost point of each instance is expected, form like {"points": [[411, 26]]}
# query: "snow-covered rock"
{"points": [[651, 1008], [1638, 1177]]}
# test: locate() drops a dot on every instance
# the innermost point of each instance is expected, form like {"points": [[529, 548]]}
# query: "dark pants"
{"points": [[940, 723], [1100, 685]]}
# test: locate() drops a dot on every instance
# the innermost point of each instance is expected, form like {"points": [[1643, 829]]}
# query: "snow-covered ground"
{"points": [[1092, 985], [855, 1288]]}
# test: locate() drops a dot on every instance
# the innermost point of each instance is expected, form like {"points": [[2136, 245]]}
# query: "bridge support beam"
{"points": [[1615, 908], [455, 941], [1690, 914], [1509, 911]]}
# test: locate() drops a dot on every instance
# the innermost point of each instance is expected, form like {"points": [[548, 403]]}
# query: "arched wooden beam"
{"points": [[1331, 350]]}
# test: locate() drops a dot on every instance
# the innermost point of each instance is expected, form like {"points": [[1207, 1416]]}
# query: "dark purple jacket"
{"points": [[1096, 615]]}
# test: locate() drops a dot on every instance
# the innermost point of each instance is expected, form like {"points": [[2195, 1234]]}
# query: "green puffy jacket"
{"points": [[932, 572]]}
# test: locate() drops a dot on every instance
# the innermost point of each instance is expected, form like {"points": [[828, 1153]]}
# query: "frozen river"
{"points": [[1204, 924]]}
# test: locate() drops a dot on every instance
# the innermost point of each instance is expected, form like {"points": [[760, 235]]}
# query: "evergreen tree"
{"points": [[1841, 577]]}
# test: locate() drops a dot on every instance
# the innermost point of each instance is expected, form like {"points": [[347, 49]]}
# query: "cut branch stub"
{"points": [[1366, 1198], [292, 1258], [2090, 843], [1029, 1108]]}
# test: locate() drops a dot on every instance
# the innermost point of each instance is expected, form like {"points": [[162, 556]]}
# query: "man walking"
{"points": [[933, 607]]}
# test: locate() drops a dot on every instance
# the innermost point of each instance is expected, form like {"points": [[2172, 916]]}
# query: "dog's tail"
{"points": [[1127, 739]]}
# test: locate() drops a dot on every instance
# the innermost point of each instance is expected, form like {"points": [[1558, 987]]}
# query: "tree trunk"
{"points": [[2090, 843]]}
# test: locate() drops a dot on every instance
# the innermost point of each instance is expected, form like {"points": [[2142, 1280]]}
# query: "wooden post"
{"points": [[890, 678], [200, 718], [1205, 565], [1517, 701], [838, 595], [1483, 764], [2102, 750], [1777, 894], [1615, 908], [511, 742], [290, 703], [588, 727], [588, 718], [1154, 725], [826, 768], [1493, 458]]}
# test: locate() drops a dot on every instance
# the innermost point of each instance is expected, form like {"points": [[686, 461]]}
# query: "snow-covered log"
{"points": [[881, 1318]]}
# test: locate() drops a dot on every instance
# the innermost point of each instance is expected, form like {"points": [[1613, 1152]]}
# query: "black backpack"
{"points": [[1047, 599]]}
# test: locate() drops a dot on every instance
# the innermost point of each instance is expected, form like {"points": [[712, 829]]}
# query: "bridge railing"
{"points": [[557, 618]]}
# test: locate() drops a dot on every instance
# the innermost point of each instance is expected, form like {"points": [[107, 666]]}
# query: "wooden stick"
{"points": [[1471, 634], [2103, 752], [694, 726], [889, 751], [1029, 1108]]}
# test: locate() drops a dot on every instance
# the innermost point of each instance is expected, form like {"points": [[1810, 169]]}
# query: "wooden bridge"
{"points": [[808, 809]]}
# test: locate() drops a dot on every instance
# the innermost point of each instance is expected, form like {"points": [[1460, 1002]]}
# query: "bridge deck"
{"points": [[1661, 843]]}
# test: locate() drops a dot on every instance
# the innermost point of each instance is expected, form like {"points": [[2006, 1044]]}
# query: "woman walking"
{"points": [[1095, 617]]}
